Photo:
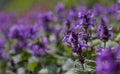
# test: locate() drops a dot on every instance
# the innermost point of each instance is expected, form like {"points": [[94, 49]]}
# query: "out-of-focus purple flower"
{"points": [[117, 51], [118, 1], [106, 62], [46, 17], [72, 14], [39, 47], [67, 22], [84, 36], [99, 49], [20, 45], [22, 32], [86, 18], [60, 12], [99, 9], [5, 23], [79, 47], [82, 8], [60, 7], [112, 9], [44, 20], [103, 32], [104, 20], [3, 54]]}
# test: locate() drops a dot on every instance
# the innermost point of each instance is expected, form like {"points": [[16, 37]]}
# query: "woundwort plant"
{"points": [[91, 37]]}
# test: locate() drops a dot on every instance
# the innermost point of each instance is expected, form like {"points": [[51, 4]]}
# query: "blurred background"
{"points": [[23, 6]]}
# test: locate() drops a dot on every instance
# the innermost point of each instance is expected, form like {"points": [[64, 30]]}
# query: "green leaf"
{"points": [[91, 63], [32, 66]]}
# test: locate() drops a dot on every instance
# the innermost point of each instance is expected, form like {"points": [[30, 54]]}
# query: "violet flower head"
{"points": [[60, 12], [72, 39], [106, 62], [39, 47], [44, 20], [21, 32], [118, 1], [46, 17], [4, 20], [67, 22], [112, 9], [60, 7], [117, 51], [3, 54], [84, 36], [104, 32], [99, 49], [72, 14], [79, 47], [86, 18], [14, 32], [98, 9], [5, 23], [20, 45], [82, 8]]}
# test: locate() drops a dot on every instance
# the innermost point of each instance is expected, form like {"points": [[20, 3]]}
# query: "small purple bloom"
{"points": [[60, 7], [103, 32], [39, 47], [86, 18]]}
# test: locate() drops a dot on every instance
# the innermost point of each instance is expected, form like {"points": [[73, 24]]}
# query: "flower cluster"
{"points": [[78, 27], [108, 61]]}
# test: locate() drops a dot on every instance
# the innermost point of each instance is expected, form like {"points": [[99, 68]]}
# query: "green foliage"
{"points": [[33, 65]]}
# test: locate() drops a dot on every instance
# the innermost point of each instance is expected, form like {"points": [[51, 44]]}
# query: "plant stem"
{"points": [[82, 66], [104, 44]]}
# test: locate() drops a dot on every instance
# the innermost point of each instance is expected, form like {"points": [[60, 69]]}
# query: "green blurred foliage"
{"points": [[19, 5], [25, 5]]}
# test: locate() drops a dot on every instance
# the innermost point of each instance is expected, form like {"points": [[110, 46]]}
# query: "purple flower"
{"points": [[46, 17], [99, 49], [67, 22], [84, 36], [118, 1], [79, 47], [103, 32], [112, 9], [86, 18], [39, 47], [60, 7], [5, 23], [20, 45], [44, 20], [22, 32], [3, 54], [60, 12], [72, 38], [106, 62], [98, 9], [72, 14], [117, 51]]}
